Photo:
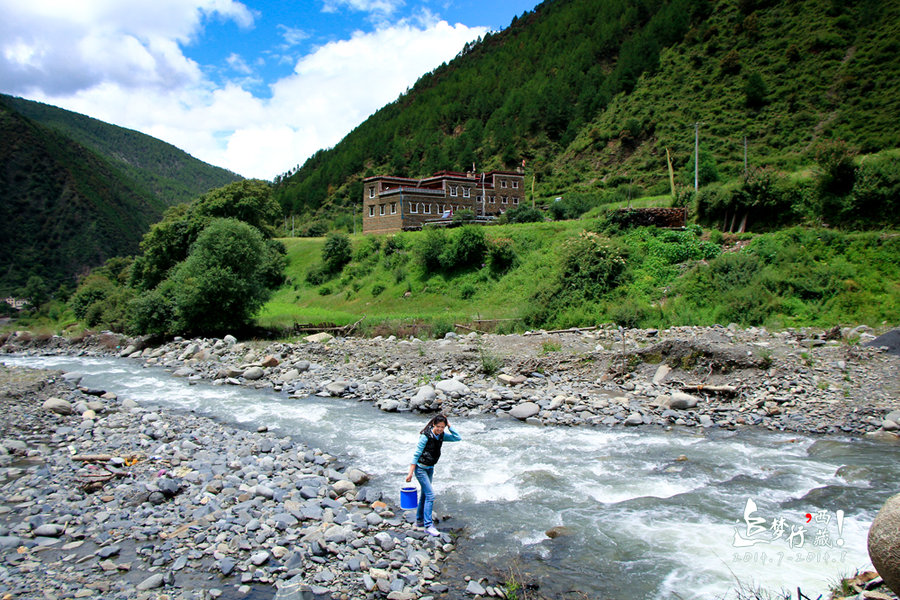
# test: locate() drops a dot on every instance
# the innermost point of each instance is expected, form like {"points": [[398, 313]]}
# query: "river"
{"points": [[645, 512]]}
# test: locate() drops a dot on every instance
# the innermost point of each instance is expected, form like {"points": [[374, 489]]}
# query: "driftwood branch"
{"points": [[725, 390], [469, 328], [571, 330]]}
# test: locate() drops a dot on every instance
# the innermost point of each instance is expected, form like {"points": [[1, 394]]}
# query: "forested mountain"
{"points": [[75, 191], [592, 92]]}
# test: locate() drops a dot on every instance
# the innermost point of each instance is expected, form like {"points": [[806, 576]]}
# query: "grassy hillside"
{"points": [[654, 278], [67, 205], [591, 92]]}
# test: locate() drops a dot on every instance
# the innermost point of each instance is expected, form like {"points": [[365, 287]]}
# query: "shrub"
{"points": [[153, 312], [336, 252], [523, 214], [467, 290], [377, 289], [325, 290], [317, 275], [501, 255], [464, 215], [430, 248], [466, 249], [755, 91]]}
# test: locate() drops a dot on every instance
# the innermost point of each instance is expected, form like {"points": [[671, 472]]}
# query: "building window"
{"points": [[504, 200], [478, 198], [515, 185], [372, 210], [371, 192], [428, 209], [465, 192], [493, 199], [393, 208], [381, 208], [503, 183], [516, 201], [413, 207], [453, 190]]}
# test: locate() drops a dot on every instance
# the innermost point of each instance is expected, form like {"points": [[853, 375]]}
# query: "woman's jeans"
{"points": [[426, 495]]}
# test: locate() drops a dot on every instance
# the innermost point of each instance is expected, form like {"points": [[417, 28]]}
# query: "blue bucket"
{"points": [[409, 499]]}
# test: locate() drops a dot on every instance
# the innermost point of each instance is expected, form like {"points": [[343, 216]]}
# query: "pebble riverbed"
{"points": [[208, 510]]}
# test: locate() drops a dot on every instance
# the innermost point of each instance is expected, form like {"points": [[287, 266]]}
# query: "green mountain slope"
{"points": [[170, 174], [65, 207], [591, 92]]}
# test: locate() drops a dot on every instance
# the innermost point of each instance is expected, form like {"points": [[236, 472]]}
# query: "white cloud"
{"points": [[61, 47], [372, 6], [134, 74], [292, 36]]}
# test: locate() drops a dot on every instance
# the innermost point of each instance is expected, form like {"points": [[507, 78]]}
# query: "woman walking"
{"points": [[428, 451]]}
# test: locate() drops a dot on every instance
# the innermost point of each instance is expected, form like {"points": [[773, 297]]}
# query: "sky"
{"points": [[255, 87]]}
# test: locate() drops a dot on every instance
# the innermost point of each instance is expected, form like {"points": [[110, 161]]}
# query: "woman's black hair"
{"points": [[434, 421]]}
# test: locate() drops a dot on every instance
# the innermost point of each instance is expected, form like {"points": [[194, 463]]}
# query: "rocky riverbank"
{"points": [[101, 498], [806, 381], [209, 509]]}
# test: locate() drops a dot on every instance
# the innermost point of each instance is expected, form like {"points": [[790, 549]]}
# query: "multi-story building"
{"points": [[400, 203]]}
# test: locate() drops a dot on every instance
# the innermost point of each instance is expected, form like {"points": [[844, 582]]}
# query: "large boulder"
{"points": [[682, 401], [525, 410], [452, 386], [884, 543], [59, 406]]}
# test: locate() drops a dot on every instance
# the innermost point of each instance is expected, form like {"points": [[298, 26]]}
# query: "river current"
{"points": [[640, 513]]}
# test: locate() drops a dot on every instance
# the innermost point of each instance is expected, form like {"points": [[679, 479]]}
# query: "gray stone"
{"points": [[230, 340], [9, 541], [253, 373], [453, 386], [183, 372], [889, 425], [260, 558], [302, 365], [385, 541], [59, 406], [634, 419], [343, 486], [226, 566], [682, 401], [49, 530], [661, 373], [356, 476], [389, 405], [151, 583], [525, 410], [337, 388], [424, 395], [884, 543], [475, 588], [320, 338]]}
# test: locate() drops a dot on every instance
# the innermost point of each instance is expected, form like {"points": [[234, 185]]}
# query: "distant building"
{"points": [[16, 303], [398, 203]]}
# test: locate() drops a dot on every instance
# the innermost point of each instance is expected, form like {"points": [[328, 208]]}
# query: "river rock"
{"points": [[424, 395], [682, 401], [356, 476], [661, 373], [525, 410], [270, 361], [59, 406], [320, 338], [230, 340], [634, 419], [49, 530], [884, 543], [343, 486], [452, 386], [512, 379], [253, 373], [475, 588], [154, 581]]}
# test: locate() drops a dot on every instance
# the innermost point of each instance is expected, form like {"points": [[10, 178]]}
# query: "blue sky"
{"points": [[255, 86]]}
